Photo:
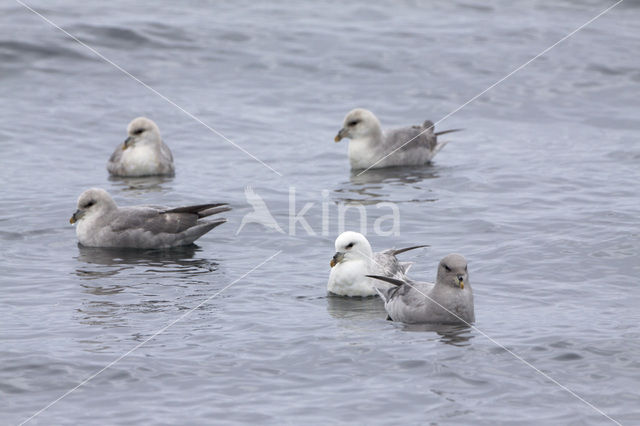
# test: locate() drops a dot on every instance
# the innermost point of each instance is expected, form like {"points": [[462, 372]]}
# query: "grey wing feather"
{"points": [[117, 154], [396, 252], [398, 138], [166, 164], [408, 301], [386, 264], [166, 152], [382, 293], [414, 293], [444, 132], [424, 136], [114, 160], [394, 281], [202, 210], [386, 294], [404, 301], [152, 220], [162, 220], [215, 210], [406, 266]]}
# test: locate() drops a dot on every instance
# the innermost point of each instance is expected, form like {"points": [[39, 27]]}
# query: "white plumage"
{"points": [[354, 260]]}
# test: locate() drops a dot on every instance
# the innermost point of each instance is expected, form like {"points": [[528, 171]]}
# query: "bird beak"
{"points": [[127, 143], [461, 281], [76, 216], [337, 258], [341, 134]]}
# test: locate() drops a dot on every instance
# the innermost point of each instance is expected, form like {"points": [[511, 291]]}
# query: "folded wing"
{"points": [[142, 223]]}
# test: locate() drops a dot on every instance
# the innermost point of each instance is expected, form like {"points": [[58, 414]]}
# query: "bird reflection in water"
{"points": [[142, 184], [377, 185], [103, 262], [372, 308], [143, 281], [367, 308], [456, 335]]}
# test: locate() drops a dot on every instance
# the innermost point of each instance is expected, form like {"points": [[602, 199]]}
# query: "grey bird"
{"points": [[101, 223], [143, 153], [370, 147], [448, 301]]}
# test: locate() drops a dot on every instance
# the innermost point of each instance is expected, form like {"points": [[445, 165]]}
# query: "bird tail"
{"points": [[442, 144], [390, 280], [438, 148], [199, 230], [213, 210], [444, 132], [406, 266], [202, 210], [402, 250], [387, 293], [382, 294]]}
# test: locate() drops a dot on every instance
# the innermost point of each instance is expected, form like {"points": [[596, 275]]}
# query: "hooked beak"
{"points": [[127, 143], [341, 134], [337, 258], [76, 216], [461, 281]]}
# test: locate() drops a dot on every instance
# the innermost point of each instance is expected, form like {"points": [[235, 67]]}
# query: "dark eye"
{"points": [[447, 268], [138, 131], [89, 204], [353, 122], [350, 245]]}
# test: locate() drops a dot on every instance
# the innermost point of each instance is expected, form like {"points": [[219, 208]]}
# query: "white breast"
{"points": [[140, 160], [362, 153], [348, 279], [86, 230]]}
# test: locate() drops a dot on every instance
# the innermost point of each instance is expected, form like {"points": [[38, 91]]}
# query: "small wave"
{"points": [[21, 51], [369, 66], [144, 35]]}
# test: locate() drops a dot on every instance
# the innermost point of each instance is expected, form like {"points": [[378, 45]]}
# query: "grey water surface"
{"points": [[541, 193]]}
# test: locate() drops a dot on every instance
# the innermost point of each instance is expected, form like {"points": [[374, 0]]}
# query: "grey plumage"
{"points": [[448, 301], [387, 264], [101, 223], [371, 147], [143, 153], [396, 252]]}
